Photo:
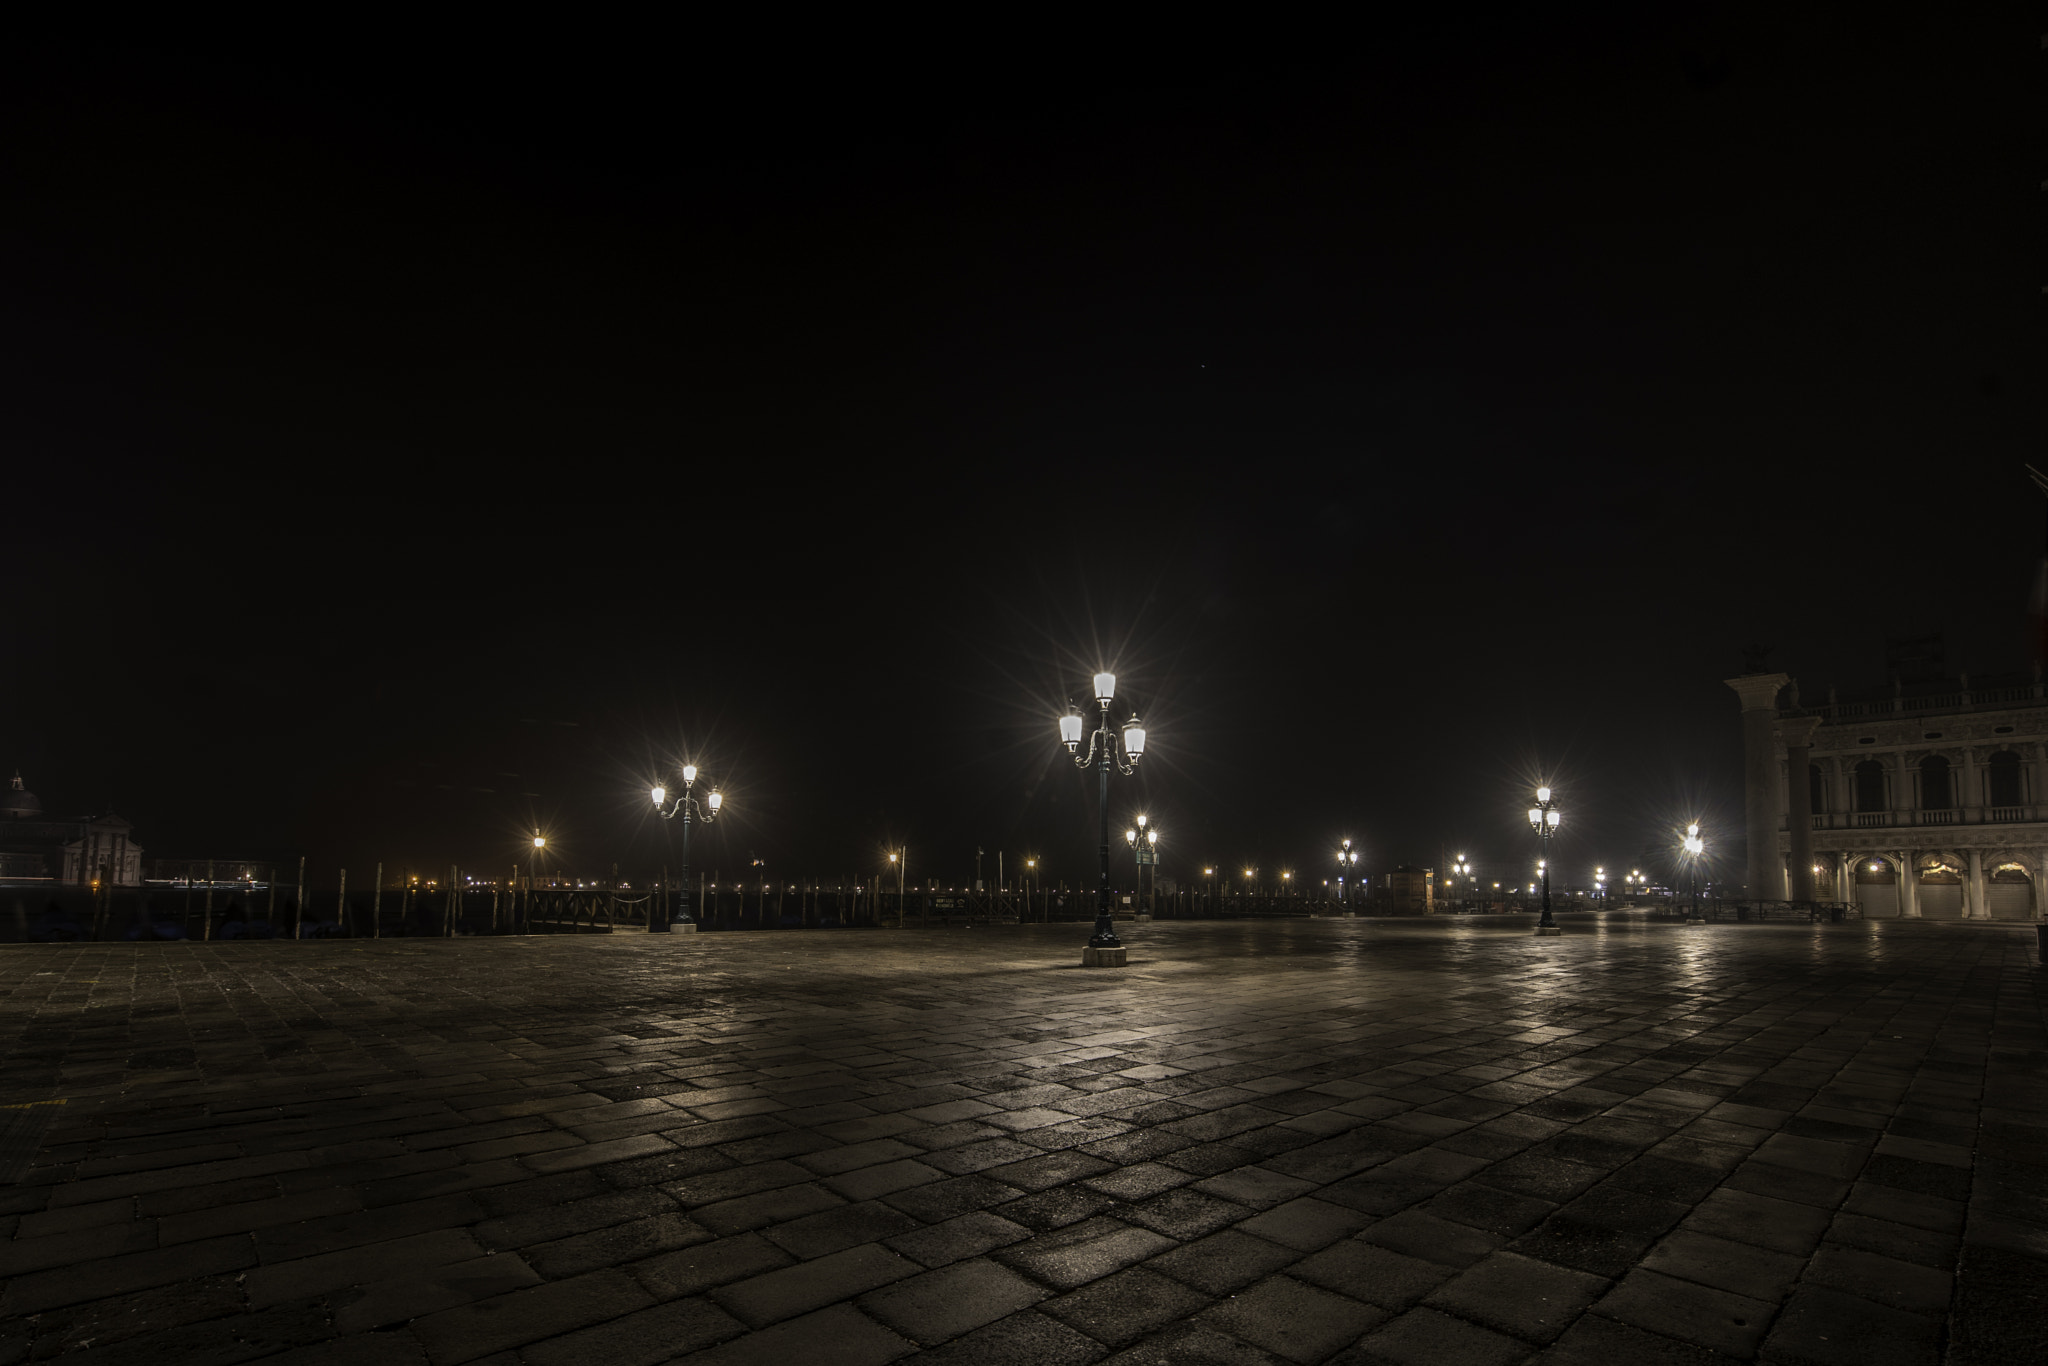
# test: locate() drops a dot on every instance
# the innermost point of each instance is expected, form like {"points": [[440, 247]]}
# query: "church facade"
{"points": [[35, 849], [1920, 799]]}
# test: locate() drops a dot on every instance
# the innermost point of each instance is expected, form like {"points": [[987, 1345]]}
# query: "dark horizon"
{"points": [[414, 443]]}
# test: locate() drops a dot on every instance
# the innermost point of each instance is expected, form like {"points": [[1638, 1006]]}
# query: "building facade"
{"points": [[36, 849], [1921, 799], [1409, 891]]}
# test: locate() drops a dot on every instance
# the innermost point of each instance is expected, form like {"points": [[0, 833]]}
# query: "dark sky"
{"points": [[411, 437]]}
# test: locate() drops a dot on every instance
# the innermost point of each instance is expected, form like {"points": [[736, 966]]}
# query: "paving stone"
{"points": [[1598, 1341], [628, 1242], [1724, 1264], [382, 1304], [1780, 1225], [1293, 1320], [1027, 1338], [96, 1280], [835, 1230], [967, 1235], [839, 1336], [946, 1199], [1121, 1308], [1085, 1252], [642, 1338], [1719, 1320], [799, 1289], [942, 1304], [1306, 1224], [1433, 1239], [1373, 1274], [310, 1276], [555, 1221], [1884, 1280], [527, 1316], [1822, 1325], [1223, 1262], [1184, 1214], [1532, 1300], [693, 1270], [1194, 1344], [1428, 1337]]}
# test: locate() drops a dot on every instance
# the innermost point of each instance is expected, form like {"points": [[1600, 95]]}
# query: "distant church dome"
{"points": [[18, 803]]}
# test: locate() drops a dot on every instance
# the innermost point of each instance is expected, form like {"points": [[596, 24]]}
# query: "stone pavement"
{"points": [[1355, 1141]]}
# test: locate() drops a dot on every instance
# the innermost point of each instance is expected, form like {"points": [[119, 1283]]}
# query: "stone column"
{"points": [[1977, 909], [1759, 694], [1969, 797], [1798, 733], [1909, 884]]}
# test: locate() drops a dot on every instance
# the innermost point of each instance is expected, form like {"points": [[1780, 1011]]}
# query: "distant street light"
{"points": [[1544, 817], [1463, 870], [1144, 842], [1104, 748], [1694, 847], [686, 806]]}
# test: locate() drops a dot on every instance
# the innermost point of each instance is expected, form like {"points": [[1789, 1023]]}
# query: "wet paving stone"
{"points": [[1357, 1141]]}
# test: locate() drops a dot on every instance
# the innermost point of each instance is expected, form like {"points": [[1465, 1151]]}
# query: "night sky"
{"points": [[411, 438]]}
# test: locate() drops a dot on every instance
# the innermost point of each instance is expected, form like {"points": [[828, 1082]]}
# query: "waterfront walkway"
{"points": [[1387, 1141]]}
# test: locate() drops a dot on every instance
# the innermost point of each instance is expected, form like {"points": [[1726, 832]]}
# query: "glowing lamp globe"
{"points": [[717, 799], [1536, 817], [1070, 729], [1552, 817], [689, 773], [1105, 687], [660, 795], [1134, 737]]}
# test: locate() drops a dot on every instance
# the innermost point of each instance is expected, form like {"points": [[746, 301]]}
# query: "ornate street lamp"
{"points": [[685, 805], [1544, 817], [1347, 868], [1104, 949], [1144, 842], [1694, 847], [1463, 870]]}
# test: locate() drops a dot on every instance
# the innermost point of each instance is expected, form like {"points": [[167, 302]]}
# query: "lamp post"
{"points": [[1144, 842], [1599, 884], [1209, 877], [1104, 949], [540, 845], [898, 858], [1464, 871], [1544, 817], [1694, 847], [685, 805], [1347, 867]]}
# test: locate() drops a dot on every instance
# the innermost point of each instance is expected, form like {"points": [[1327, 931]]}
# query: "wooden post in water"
{"points": [[453, 901], [270, 910], [377, 904], [207, 909], [341, 903], [299, 905]]}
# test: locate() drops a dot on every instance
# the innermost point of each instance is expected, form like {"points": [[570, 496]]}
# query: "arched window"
{"points": [[2004, 779], [1817, 791], [1870, 786], [1936, 792]]}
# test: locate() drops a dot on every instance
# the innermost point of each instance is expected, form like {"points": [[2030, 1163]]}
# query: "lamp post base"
{"points": [[1092, 957], [1544, 931], [682, 927]]}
